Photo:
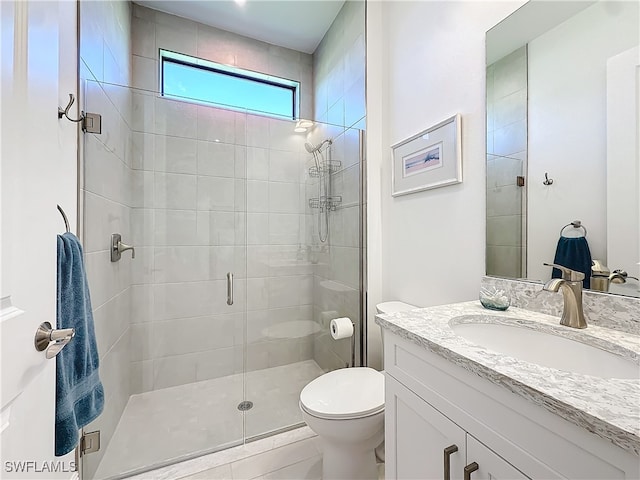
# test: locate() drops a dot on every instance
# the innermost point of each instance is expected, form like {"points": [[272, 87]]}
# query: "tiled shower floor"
{"points": [[176, 422]]}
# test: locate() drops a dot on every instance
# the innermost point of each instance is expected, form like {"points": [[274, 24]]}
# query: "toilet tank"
{"points": [[392, 307]]}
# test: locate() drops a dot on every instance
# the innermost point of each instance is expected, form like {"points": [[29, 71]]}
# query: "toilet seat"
{"points": [[347, 393]]}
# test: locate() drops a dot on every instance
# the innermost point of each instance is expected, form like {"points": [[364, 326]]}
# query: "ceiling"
{"points": [[295, 24]]}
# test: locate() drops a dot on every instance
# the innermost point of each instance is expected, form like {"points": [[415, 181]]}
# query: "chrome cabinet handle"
{"points": [[469, 469], [229, 288], [45, 334], [447, 460]]}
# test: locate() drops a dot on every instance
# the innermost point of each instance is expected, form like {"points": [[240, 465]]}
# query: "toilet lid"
{"points": [[344, 393], [394, 306]]}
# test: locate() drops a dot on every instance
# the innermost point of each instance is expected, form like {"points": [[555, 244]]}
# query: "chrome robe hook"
{"points": [[64, 112], [90, 122]]}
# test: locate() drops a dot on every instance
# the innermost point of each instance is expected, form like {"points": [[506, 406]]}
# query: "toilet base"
{"points": [[348, 445], [339, 462], [380, 452]]}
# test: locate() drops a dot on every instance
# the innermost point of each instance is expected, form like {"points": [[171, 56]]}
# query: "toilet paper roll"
{"points": [[341, 328]]}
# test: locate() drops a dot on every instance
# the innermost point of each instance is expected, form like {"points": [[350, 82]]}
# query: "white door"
{"points": [[32, 141], [623, 174]]}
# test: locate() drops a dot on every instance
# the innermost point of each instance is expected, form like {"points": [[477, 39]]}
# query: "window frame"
{"points": [[194, 62]]}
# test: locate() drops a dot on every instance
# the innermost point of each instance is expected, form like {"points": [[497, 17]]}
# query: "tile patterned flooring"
{"points": [[179, 421], [293, 455]]}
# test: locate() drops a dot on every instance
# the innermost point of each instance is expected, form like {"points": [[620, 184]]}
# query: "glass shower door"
{"points": [[201, 193], [303, 262], [170, 177]]}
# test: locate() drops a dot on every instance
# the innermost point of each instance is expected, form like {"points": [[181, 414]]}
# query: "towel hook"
{"points": [[547, 180], [64, 217], [64, 112], [574, 224]]}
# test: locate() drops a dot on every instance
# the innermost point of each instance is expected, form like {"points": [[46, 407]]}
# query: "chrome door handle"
{"points": [[45, 334], [469, 469], [447, 460], [229, 288]]}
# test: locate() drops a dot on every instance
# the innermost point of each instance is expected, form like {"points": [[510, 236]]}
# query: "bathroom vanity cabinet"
{"points": [[432, 404], [427, 444]]}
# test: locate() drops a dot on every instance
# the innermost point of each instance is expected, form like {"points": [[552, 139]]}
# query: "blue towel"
{"points": [[79, 392], [573, 253]]}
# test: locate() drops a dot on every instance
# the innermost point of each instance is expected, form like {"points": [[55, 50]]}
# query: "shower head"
{"points": [[313, 149]]}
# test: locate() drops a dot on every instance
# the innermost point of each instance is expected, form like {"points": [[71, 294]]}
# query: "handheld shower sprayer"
{"points": [[313, 149], [324, 186]]}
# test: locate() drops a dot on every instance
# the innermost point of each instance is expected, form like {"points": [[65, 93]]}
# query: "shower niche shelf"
{"points": [[332, 166], [330, 203]]}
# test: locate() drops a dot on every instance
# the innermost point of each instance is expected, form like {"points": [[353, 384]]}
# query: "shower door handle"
{"points": [[229, 288]]}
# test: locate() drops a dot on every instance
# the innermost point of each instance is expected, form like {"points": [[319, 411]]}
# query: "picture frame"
{"points": [[429, 159]]}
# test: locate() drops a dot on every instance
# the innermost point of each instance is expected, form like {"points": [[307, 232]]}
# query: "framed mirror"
{"points": [[563, 96]]}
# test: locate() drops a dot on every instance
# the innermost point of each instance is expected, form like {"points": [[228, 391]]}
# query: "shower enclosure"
{"points": [[248, 241]]}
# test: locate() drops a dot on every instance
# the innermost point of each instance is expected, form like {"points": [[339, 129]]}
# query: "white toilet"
{"points": [[346, 409]]}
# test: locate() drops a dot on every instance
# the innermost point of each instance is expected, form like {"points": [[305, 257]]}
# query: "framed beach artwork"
{"points": [[429, 159]]}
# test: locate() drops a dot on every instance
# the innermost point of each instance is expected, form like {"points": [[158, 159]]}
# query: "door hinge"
{"points": [[90, 442], [92, 123], [520, 181]]}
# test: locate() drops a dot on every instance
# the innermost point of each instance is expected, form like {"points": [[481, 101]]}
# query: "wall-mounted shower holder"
{"points": [[331, 166], [330, 203]]}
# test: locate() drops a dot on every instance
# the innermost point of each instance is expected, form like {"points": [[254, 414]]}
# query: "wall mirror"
{"points": [[563, 96]]}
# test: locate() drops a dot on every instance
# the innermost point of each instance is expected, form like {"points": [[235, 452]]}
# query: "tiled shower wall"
{"points": [[106, 195], [196, 170], [152, 30], [278, 253], [506, 159], [339, 81], [176, 249], [339, 69]]}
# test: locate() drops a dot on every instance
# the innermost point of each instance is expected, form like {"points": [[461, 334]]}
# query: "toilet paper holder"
{"points": [[334, 327], [353, 346]]}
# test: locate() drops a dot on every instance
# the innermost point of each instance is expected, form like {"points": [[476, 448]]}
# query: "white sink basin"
{"points": [[546, 349]]}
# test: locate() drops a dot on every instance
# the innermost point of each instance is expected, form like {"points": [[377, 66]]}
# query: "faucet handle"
{"points": [[117, 247], [567, 273]]}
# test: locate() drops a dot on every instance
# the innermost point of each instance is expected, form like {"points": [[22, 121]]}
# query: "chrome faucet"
{"points": [[571, 286], [620, 276]]}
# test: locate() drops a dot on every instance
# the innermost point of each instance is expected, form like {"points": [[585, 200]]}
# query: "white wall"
{"points": [[567, 127], [430, 245]]}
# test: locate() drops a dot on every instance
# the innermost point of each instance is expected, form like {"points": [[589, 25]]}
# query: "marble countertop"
{"points": [[607, 407]]}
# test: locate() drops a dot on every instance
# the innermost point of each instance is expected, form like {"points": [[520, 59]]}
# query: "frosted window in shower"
{"points": [[195, 79]]}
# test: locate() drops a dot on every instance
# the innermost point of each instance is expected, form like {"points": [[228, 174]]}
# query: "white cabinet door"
{"points": [[417, 435], [490, 465]]}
